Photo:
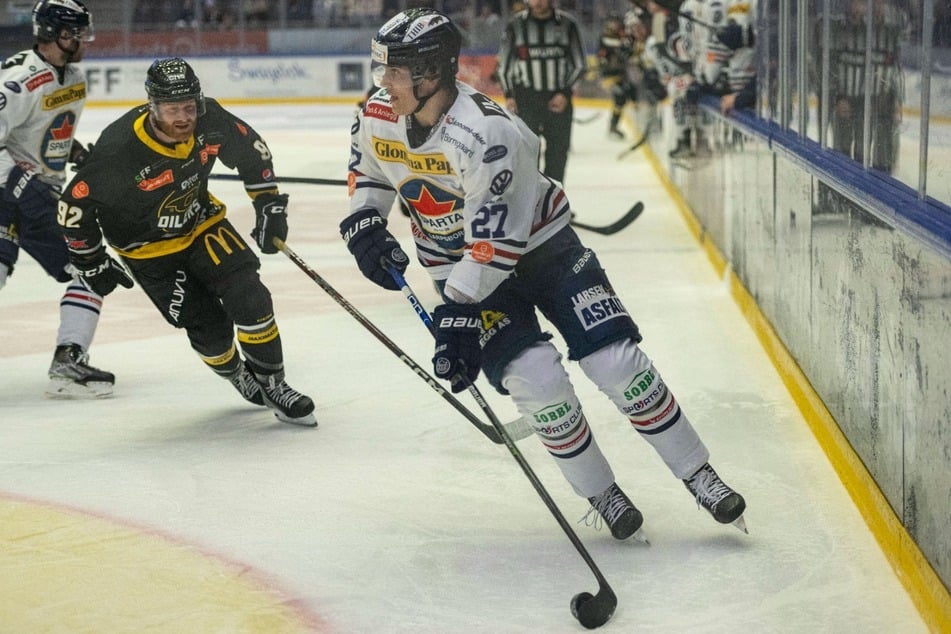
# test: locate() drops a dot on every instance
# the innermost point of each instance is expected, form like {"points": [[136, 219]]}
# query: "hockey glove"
{"points": [[35, 198], [101, 273], [78, 154], [270, 212], [734, 36], [370, 243], [458, 352]]}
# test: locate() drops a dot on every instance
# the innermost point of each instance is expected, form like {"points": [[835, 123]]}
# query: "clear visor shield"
{"points": [[381, 71], [175, 111], [81, 33]]}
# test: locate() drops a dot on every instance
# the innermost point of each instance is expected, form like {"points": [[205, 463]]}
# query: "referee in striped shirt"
{"points": [[540, 58]]}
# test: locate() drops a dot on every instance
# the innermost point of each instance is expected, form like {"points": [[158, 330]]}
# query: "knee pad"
{"points": [[627, 376], [542, 391]]}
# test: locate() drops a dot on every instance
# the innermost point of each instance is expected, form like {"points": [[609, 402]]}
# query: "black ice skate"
{"points": [[71, 376], [248, 387], [616, 509], [289, 405], [614, 133], [724, 504]]}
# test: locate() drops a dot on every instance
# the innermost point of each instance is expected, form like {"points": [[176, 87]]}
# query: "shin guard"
{"points": [[542, 391], [628, 377]]}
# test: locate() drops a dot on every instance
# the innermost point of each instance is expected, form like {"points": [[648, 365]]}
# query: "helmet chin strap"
{"points": [[421, 101]]}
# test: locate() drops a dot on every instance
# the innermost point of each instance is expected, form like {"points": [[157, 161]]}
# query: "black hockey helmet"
{"points": [[424, 40], [173, 79], [51, 17]]}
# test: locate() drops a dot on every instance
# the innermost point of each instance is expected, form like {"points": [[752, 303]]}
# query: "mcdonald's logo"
{"points": [[220, 238]]}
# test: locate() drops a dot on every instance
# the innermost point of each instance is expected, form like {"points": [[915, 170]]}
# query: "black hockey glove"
{"points": [[270, 212], [35, 198], [458, 353], [370, 243], [78, 155], [100, 272], [734, 36]]}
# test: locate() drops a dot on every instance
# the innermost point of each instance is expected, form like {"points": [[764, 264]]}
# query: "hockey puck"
{"points": [[590, 612]]}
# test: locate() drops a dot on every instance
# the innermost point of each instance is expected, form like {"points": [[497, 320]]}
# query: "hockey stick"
{"points": [[591, 610], [641, 141], [519, 427], [285, 179], [588, 119], [612, 228], [615, 226]]}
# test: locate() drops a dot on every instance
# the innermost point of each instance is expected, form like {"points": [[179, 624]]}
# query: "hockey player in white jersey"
{"points": [[493, 233], [42, 94]]}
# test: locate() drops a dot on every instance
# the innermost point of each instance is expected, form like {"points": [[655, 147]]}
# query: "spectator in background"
{"points": [[256, 13], [540, 59]]}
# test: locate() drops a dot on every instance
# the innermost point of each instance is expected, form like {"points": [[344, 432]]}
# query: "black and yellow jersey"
{"points": [[151, 199]]}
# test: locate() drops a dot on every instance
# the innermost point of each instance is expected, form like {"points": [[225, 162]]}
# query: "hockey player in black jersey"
{"points": [[144, 190], [493, 233]]}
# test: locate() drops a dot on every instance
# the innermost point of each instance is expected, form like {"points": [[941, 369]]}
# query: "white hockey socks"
{"points": [[543, 393], [628, 377], [78, 316]]}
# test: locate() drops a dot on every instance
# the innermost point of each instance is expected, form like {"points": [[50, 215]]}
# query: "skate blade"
{"points": [[304, 421], [62, 388], [640, 536], [740, 524]]}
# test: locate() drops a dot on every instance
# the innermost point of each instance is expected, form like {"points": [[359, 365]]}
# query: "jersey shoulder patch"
{"points": [[488, 107]]}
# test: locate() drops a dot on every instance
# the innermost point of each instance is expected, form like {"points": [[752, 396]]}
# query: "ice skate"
{"points": [[248, 387], [614, 133], [289, 405], [71, 376], [622, 517], [723, 503]]}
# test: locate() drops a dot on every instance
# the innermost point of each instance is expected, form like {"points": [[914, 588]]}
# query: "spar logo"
{"points": [[58, 139]]}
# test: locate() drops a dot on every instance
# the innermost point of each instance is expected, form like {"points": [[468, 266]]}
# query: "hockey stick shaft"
{"points": [[517, 429], [490, 432], [605, 591], [339, 182], [285, 179], [619, 224]]}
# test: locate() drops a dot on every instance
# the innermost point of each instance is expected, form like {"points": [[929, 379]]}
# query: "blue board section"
{"points": [[928, 220]]}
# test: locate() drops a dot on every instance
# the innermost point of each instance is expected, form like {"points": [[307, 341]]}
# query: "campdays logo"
{"points": [[272, 71]]}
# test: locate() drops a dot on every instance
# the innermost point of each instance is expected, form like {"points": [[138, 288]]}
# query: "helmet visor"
{"points": [[81, 33]]}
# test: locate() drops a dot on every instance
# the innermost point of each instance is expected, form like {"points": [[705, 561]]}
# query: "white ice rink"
{"points": [[177, 507]]}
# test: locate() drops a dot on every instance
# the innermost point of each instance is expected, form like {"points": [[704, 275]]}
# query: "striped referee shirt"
{"points": [[544, 56], [849, 45]]}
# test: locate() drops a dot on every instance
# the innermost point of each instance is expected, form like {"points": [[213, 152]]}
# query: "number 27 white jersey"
{"points": [[476, 199]]}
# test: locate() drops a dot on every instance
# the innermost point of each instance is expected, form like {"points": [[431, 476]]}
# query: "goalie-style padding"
{"points": [[628, 377], [542, 391]]}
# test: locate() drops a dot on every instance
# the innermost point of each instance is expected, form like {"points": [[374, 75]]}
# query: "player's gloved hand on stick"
{"points": [[29, 193], [370, 243], [270, 211], [458, 353], [101, 273]]}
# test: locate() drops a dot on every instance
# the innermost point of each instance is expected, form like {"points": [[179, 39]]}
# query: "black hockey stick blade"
{"points": [[641, 141], [588, 119], [593, 611], [286, 179], [615, 226]]}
